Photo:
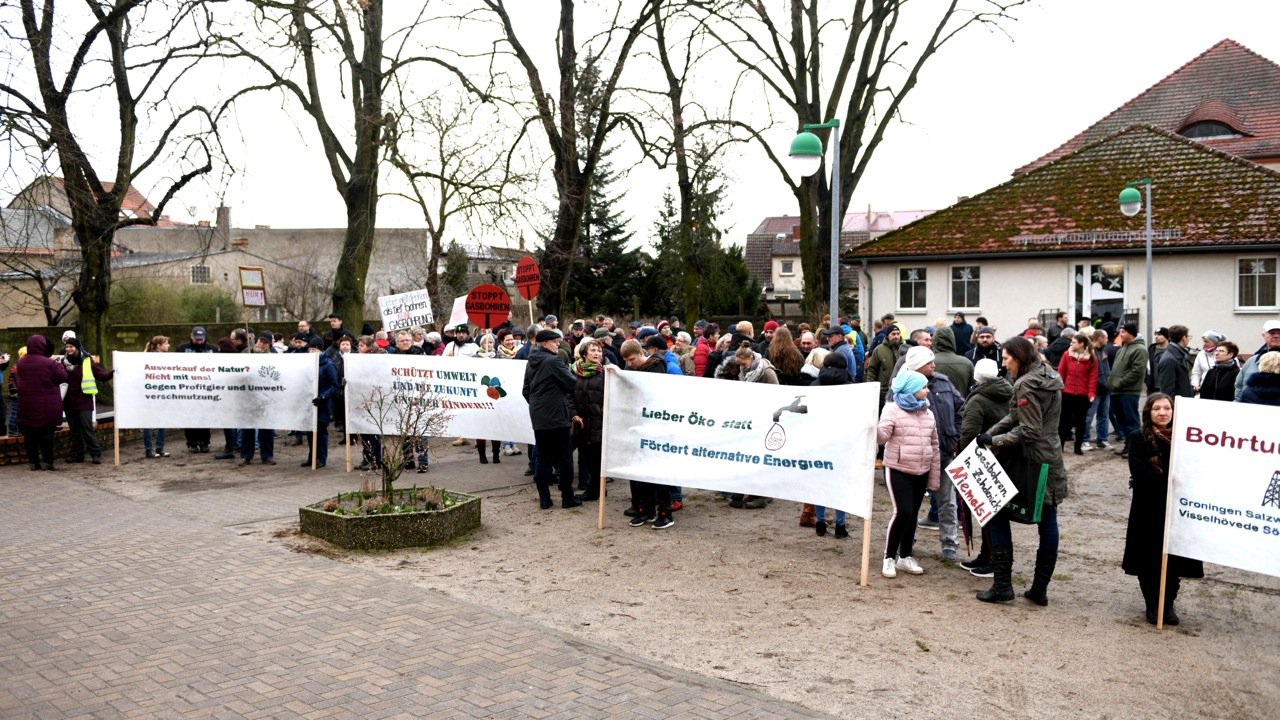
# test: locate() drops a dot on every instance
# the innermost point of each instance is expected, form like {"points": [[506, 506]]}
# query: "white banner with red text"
{"points": [[481, 397], [1224, 484], [813, 444], [215, 390]]}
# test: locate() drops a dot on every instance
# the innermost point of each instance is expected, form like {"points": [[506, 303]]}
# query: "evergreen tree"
{"points": [[453, 280]]}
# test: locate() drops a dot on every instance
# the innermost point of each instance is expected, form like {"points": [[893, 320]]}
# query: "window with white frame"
{"points": [[965, 286], [788, 267], [911, 288], [1256, 283], [201, 275]]}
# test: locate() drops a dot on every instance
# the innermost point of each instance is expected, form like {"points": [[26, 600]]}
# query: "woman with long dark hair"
{"points": [[786, 359], [1032, 427], [1144, 538]]}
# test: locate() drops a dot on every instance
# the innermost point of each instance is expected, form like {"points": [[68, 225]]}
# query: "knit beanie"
{"points": [[917, 357], [908, 382], [984, 370]]}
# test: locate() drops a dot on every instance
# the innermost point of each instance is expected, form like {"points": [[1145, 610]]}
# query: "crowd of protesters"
{"points": [[1039, 392]]}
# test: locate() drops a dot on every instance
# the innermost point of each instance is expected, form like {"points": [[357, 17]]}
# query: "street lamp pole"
{"points": [[1130, 203], [806, 147]]}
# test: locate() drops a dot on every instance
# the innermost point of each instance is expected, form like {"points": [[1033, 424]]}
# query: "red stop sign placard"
{"points": [[487, 306], [528, 278]]}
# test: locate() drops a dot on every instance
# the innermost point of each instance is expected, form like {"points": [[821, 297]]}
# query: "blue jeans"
{"points": [[1124, 409], [1000, 533], [159, 440], [1099, 408], [266, 443], [820, 514]]}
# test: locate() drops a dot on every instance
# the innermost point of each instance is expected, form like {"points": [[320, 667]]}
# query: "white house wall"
{"points": [[1197, 290]]}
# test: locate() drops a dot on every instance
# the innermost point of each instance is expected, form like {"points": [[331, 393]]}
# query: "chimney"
{"points": [[240, 243], [202, 224], [521, 240], [223, 228], [795, 232]]}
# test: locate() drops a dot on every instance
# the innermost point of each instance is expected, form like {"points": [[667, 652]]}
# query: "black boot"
{"points": [[544, 495], [1150, 593], [1001, 585], [1045, 562], [497, 456], [1170, 594], [484, 459], [820, 527]]}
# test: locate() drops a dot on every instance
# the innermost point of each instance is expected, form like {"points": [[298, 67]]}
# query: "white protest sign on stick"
{"points": [[1224, 485], [213, 390], [981, 482], [458, 315], [482, 396], [405, 310]]}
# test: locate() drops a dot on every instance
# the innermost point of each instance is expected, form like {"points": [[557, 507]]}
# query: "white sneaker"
{"points": [[909, 564], [889, 570], [1086, 447]]}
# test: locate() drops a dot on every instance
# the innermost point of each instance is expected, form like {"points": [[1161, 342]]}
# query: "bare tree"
{"points": [[782, 51], [574, 160], [32, 271], [310, 50], [455, 175], [64, 67]]}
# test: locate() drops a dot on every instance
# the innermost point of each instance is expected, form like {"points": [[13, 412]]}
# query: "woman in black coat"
{"points": [[1144, 539], [588, 416], [1219, 382]]}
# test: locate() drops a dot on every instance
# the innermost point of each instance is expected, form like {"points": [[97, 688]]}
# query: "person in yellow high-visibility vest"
{"points": [[83, 376]]}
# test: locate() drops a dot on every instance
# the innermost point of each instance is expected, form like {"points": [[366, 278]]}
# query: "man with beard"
{"points": [[986, 348], [462, 346]]}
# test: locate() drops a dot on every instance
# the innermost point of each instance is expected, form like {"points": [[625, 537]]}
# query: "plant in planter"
{"points": [[383, 517]]}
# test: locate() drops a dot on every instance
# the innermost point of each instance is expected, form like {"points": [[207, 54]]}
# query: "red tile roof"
{"points": [[1202, 197], [1228, 83]]}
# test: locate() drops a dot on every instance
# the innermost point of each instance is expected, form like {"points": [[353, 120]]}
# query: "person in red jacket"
{"points": [[39, 400], [1078, 369]]}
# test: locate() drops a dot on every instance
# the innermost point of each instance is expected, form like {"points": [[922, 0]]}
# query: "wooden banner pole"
{"points": [[115, 431], [346, 420], [866, 549], [604, 445], [1164, 570]]}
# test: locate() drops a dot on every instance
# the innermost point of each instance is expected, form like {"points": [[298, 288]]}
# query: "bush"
{"points": [[153, 302]]}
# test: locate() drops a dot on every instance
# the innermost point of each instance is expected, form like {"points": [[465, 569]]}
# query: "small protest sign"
{"points": [[488, 306], [981, 482], [528, 278], [405, 310]]}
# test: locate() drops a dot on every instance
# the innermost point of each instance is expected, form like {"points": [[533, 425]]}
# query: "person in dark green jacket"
{"points": [[1128, 377], [947, 361], [987, 404]]}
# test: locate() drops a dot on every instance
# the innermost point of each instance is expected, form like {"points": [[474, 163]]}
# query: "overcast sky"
{"points": [[984, 106]]}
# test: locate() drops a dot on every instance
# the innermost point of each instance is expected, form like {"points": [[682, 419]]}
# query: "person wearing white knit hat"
{"points": [[918, 357], [985, 370]]}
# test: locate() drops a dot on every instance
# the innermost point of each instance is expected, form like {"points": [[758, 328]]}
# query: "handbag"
{"points": [[1030, 478]]}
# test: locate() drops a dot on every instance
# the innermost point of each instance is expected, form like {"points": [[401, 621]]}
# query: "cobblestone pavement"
{"points": [[116, 607]]}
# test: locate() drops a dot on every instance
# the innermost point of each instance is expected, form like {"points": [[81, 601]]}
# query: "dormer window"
{"points": [[1208, 130]]}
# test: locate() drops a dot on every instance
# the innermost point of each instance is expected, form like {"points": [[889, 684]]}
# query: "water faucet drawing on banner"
{"points": [[777, 436]]}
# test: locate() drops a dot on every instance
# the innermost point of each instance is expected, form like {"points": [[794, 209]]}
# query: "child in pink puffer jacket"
{"points": [[910, 442]]}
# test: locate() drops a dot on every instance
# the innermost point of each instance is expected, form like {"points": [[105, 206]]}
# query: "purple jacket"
{"points": [[76, 400], [39, 398]]}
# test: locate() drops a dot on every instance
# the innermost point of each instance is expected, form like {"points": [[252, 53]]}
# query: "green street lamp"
{"points": [[1130, 204], [806, 158]]}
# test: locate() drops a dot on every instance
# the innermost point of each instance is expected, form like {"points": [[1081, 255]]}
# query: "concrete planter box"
{"points": [[395, 530]]}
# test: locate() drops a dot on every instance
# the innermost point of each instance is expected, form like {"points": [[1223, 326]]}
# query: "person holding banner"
{"points": [[1149, 450], [1032, 426], [328, 388], [153, 438], [588, 418], [83, 375]]}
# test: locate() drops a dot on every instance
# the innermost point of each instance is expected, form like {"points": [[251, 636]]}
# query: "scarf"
{"points": [[755, 370], [584, 369], [507, 354], [909, 402]]}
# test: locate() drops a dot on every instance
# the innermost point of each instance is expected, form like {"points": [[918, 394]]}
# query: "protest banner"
{"points": [[795, 443], [981, 482], [1224, 485], [405, 310], [211, 390], [482, 396]]}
